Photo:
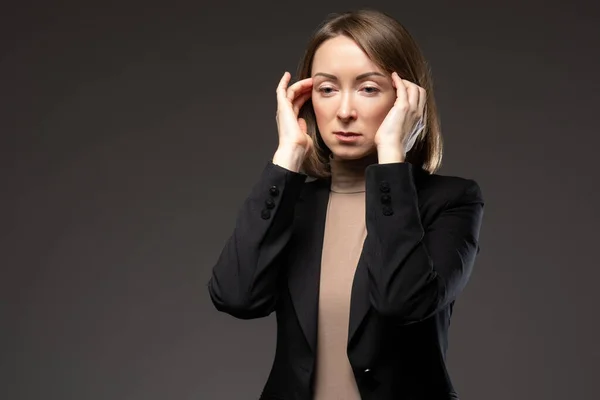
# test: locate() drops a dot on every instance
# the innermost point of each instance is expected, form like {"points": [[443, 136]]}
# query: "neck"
{"points": [[348, 176]]}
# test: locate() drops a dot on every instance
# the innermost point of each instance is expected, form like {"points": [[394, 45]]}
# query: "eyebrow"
{"points": [[358, 78]]}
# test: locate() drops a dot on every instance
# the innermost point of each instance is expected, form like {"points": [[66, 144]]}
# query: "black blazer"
{"points": [[421, 244]]}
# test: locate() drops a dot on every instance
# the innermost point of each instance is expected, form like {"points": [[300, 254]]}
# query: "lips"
{"points": [[346, 134], [347, 137]]}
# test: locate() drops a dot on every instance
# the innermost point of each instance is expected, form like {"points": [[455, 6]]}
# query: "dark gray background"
{"points": [[131, 133]]}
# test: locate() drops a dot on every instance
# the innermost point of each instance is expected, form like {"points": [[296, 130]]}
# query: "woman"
{"points": [[363, 264]]}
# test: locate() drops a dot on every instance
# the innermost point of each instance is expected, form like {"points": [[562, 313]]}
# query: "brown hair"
{"points": [[388, 44]]}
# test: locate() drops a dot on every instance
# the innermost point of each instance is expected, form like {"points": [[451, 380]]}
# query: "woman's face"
{"points": [[351, 97]]}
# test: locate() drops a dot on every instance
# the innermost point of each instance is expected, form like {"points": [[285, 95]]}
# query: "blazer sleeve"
{"points": [[415, 270], [245, 277]]}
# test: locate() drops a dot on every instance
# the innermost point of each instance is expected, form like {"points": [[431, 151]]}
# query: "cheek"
{"points": [[322, 109], [376, 112]]}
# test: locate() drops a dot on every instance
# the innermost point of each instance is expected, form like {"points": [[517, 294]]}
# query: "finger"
{"points": [[300, 100], [282, 86], [401, 94], [292, 96], [298, 88], [422, 102], [413, 94], [302, 124]]}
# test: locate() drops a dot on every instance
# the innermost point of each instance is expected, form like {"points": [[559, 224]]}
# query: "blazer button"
{"points": [[384, 187], [385, 198], [270, 204], [368, 379], [387, 211], [274, 190], [265, 214]]}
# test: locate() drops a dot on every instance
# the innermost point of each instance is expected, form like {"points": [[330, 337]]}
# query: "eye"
{"points": [[326, 90], [371, 89]]}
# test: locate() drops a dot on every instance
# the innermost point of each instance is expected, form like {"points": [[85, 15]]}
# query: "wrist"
{"points": [[389, 154], [289, 157]]}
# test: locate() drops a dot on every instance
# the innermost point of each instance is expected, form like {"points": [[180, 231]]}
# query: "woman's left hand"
{"points": [[404, 122]]}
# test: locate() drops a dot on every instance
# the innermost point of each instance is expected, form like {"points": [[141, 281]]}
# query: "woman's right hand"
{"points": [[294, 142]]}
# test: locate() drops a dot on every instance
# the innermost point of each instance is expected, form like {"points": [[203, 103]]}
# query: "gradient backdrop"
{"points": [[132, 131]]}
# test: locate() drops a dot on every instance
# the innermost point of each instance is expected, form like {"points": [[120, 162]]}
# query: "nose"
{"points": [[346, 110]]}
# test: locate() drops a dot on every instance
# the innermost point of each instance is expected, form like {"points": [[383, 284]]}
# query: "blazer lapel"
{"points": [[360, 302], [305, 272], [304, 275]]}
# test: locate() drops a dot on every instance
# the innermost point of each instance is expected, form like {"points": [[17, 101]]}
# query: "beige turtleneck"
{"points": [[345, 232]]}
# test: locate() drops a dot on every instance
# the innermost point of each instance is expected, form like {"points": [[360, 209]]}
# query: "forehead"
{"points": [[342, 56]]}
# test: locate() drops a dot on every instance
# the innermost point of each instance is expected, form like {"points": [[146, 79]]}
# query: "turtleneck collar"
{"points": [[348, 176]]}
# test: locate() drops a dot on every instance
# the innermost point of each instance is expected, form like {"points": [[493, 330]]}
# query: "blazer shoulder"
{"points": [[454, 188]]}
